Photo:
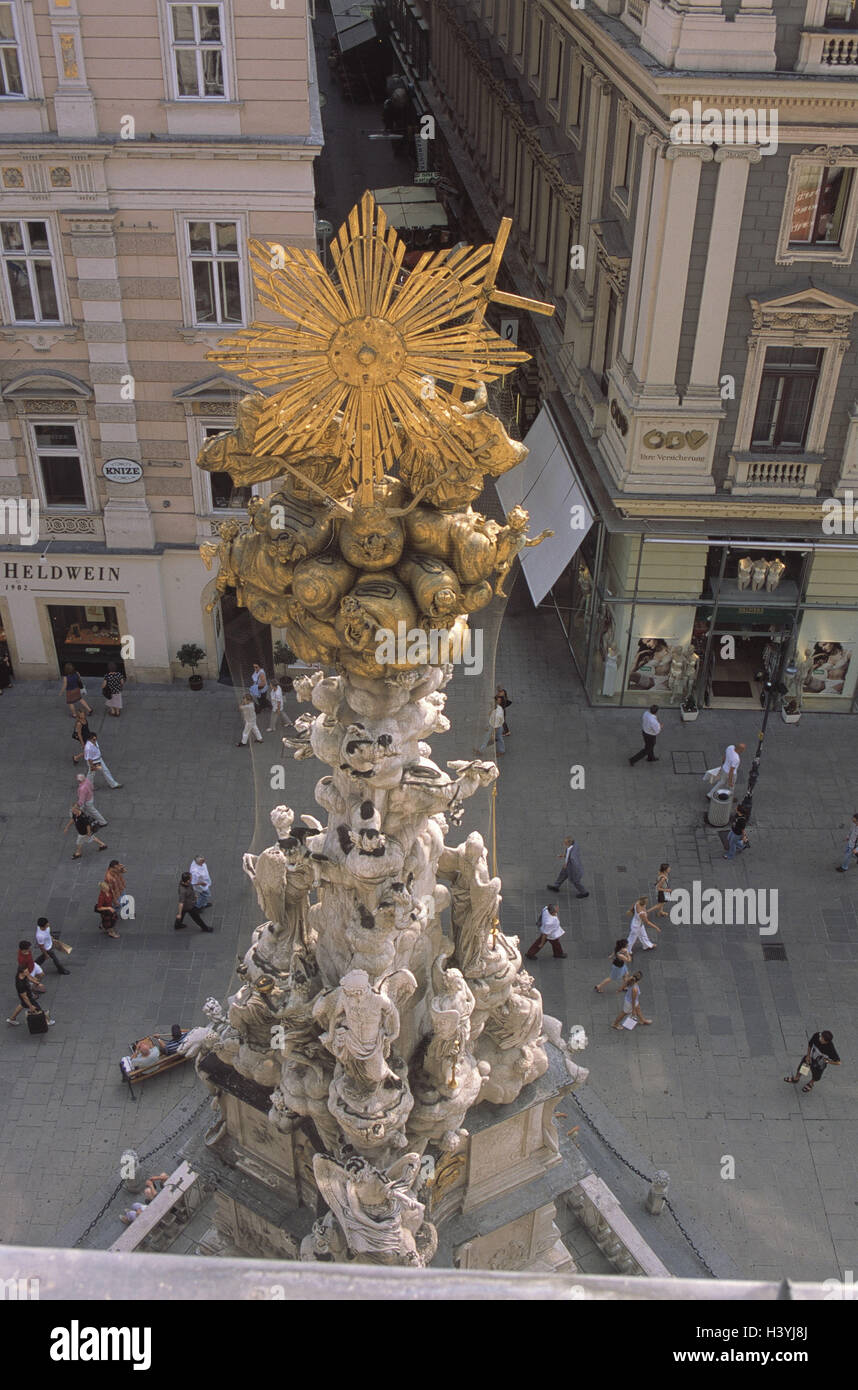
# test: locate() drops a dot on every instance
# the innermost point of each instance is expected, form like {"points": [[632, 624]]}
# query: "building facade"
{"points": [[682, 179], [141, 147]]}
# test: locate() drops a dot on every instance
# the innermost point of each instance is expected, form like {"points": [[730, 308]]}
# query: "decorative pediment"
{"points": [[612, 253], [46, 385], [214, 388], [809, 310], [831, 154]]}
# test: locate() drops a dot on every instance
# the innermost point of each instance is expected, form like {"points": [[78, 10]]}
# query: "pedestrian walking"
{"points": [[820, 1053], [621, 959], [111, 689], [631, 1003], [573, 869], [248, 713], [47, 946], [186, 906], [201, 882], [500, 694], [662, 888], [651, 728], [115, 880], [104, 908], [95, 762], [725, 775], [640, 922], [85, 829], [81, 733], [737, 835], [85, 795], [259, 688], [279, 717], [27, 999], [549, 930], [73, 691], [496, 722], [25, 957], [851, 846]]}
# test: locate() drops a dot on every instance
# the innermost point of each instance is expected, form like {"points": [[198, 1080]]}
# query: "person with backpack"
{"points": [[85, 829], [737, 835], [550, 929]]}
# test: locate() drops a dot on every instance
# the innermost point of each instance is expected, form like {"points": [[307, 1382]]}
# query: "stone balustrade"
{"points": [[598, 1210]]}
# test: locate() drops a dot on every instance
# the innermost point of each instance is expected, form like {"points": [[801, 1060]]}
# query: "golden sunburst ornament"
{"points": [[364, 344]]}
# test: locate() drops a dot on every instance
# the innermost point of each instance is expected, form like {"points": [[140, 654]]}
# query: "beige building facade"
{"points": [[683, 179], [141, 147]]}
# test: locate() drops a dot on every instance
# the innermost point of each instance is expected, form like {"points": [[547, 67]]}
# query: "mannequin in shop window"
{"points": [[773, 578], [743, 573], [759, 571]]}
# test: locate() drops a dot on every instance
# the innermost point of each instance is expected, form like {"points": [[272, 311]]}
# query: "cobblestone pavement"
{"points": [[703, 1083]]}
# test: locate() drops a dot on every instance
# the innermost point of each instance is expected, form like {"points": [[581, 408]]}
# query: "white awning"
{"points": [[547, 485], [409, 206]]}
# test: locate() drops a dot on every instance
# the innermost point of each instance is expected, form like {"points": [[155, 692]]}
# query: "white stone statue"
{"points": [[476, 900], [450, 1012], [361, 1021], [380, 1218]]}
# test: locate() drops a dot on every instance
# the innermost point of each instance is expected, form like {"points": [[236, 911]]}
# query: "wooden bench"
{"points": [[134, 1075]]}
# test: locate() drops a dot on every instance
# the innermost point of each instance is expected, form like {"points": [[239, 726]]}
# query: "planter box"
{"points": [[688, 715], [790, 718]]}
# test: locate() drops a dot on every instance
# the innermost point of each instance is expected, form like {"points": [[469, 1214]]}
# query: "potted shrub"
{"points": [[191, 655], [688, 710], [791, 711], [283, 657]]}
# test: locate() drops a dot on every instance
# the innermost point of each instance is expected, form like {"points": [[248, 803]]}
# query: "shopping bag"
{"points": [[62, 946], [711, 775], [37, 1023], [629, 1022]]}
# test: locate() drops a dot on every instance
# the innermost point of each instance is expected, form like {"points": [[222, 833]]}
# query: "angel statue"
{"points": [[361, 1022], [450, 1010], [476, 899], [380, 1217]]}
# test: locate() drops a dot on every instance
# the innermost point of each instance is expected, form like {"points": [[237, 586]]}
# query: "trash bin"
{"points": [[721, 807]]}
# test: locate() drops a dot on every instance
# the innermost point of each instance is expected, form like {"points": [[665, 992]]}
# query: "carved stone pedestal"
{"points": [[492, 1201]]}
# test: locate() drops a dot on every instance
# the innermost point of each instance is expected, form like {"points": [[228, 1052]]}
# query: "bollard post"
{"points": [[657, 1192]]}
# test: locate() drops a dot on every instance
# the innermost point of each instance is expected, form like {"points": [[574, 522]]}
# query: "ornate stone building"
{"points": [[682, 179], [141, 146]]}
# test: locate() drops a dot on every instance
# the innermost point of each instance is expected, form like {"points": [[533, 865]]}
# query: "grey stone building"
{"points": [[682, 179]]}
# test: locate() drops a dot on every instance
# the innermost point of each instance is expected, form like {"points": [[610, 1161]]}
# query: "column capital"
{"points": [[704, 153], [752, 153]]}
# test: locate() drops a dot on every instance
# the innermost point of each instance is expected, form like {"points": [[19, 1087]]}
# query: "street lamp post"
{"points": [[772, 686]]}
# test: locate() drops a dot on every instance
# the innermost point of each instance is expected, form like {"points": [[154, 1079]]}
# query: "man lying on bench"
{"points": [[152, 1053]]}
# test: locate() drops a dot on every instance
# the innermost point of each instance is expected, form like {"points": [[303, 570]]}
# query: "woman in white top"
{"points": [[279, 717], [639, 924], [496, 720]]}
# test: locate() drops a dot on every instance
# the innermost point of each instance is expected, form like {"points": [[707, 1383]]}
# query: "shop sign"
{"points": [[14, 571], [121, 470]]}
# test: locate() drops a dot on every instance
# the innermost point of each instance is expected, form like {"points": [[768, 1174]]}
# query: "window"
{"points": [[575, 101], [60, 465], [11, 84], [518, 30], [555, 69], [819, 205], [537, 35], [196, 39], [215, 272], [226, 495], [502, 18], [785, 401], [28, 272], [610, 336], [626, 161], [841, 13]]}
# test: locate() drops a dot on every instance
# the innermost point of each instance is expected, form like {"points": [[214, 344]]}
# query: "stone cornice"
{"points": [[706, 508]]}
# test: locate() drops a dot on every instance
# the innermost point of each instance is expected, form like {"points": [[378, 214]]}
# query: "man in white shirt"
{"points": [[549, 930], [201, 881], [45, 943], [279, 717], [651, 730], [729, 768], [96, 763]]}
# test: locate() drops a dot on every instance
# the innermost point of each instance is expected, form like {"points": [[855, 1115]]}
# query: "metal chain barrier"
{"points": [[206, 1100], [639, 1174]]}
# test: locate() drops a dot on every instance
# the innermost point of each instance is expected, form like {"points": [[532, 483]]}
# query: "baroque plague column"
{"points": [[381, 1003]]}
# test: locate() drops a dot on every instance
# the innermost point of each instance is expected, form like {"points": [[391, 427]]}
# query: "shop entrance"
{"points": [[245, 641], [738, 668], [87, 636]]}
